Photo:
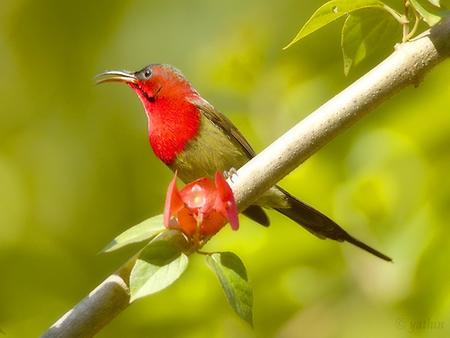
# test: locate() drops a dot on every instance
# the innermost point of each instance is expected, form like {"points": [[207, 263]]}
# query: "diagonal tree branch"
{"points": [[406, 66]]}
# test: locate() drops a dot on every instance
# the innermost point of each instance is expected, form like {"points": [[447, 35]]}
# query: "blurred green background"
{"points": [[76, 169]]}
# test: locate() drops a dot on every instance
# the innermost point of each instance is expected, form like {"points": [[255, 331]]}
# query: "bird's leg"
{"points": [[230, 173]]}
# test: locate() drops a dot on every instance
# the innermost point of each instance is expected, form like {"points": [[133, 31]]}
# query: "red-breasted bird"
{"points": [[190, 136]]}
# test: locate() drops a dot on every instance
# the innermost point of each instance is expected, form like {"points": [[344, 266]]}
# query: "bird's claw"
{"points": [[230, 173]]}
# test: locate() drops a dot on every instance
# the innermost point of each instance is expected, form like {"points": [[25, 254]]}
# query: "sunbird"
{"points": [[194, 139]]}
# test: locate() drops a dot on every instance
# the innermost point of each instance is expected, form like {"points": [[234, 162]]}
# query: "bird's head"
{"points": [[153, 83], [168, 99]]}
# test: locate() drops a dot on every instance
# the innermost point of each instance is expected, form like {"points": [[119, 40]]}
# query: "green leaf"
{"points": [[430, 18], [436, 3], [362, 33], [159, 264], [233, 278], [143, 231], [333, 10]]}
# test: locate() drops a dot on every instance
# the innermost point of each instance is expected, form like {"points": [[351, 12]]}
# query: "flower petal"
{"points": [[186, 222], [199, 194], [173, 201], [212, 223], [227, 198]]}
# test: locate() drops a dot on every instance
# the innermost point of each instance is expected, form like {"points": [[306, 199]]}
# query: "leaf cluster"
{"points": [[363, 31], [165, 257]]}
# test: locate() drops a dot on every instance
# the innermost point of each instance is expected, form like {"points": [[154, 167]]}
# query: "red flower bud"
{"points": [[201, 208]]}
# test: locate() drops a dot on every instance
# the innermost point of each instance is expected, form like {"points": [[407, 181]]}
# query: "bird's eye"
{"points": [[147, 73]]}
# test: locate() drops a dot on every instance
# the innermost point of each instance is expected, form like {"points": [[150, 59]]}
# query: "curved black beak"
{"points": [[116, 76]]}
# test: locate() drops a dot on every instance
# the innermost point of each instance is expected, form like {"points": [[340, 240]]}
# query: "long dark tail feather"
{"points": [[320, 225]]}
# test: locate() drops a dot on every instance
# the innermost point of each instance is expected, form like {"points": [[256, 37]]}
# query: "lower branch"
{"points": [[95, 311]]}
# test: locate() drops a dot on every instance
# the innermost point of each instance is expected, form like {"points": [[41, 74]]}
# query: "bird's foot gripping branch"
{"points": [[191, 217]]}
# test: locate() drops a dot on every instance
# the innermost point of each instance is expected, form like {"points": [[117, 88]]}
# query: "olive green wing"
{"points": [[222, 122]]}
